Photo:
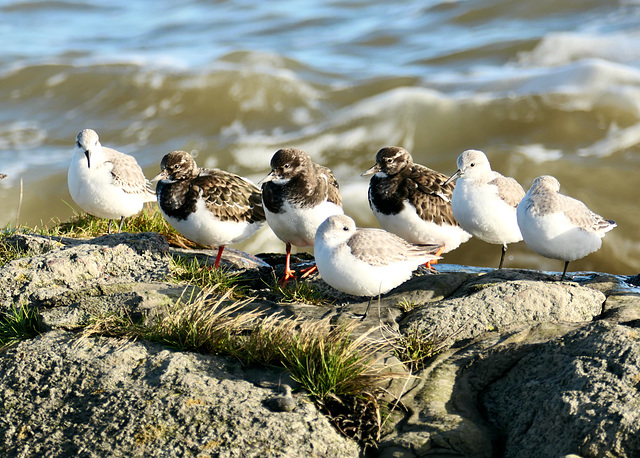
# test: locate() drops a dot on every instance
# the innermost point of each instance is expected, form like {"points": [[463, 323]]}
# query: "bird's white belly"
{"points": [[554, 236], [93, 190], [408, 225], [356, 277], [481, 211], [205, 228], [298, 226]]}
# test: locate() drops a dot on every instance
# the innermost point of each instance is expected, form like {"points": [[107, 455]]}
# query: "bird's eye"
{"points": [[389, 160], [345, 228], [473, 164], [287, 166]]}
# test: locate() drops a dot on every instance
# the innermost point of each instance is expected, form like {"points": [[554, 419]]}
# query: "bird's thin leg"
{"points": [[308, 271], [288, 273], [564, 272], [121, 223], [429, 264], [219, 257], [504, 250], [366, 312]]}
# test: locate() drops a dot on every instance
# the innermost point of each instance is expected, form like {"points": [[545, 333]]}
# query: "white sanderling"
{"points": [[207, 206], [484, 202], [366, 261], [104, 182], [412, 200], [557, 226], [298, 195]]}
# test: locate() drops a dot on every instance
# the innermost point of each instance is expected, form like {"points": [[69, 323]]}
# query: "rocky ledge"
{"points": [[529, 366]]}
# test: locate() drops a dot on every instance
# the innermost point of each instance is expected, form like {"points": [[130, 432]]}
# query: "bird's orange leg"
{"points": [[288, 273], [429, 264], [308, 271]]}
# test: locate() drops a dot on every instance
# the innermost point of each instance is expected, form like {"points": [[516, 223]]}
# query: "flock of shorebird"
{"points": [[423, 214]]}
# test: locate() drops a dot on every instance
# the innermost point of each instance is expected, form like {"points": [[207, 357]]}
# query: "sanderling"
{"points": [[366, 261], [484, 202], [104, 182], [557, 226]]}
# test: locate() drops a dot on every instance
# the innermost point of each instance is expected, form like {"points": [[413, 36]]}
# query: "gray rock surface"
{"points": [[503, 298], [69, 269], [63, 396], [531, 366], [576, 394]]}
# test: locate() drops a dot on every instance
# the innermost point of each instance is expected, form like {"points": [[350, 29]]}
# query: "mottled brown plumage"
{"points": [[413, 201], [298, 195], [228, 196], [405, 180], [307, 183]]}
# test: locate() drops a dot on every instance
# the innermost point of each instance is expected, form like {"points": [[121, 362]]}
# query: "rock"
{"points": [[62, 275], [207, 257], [444, 418], [578, 394], [284, 402], [143, 300], [63, 396], [503, 298]]}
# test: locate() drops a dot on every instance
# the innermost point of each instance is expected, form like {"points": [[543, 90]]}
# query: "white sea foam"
{"points": [[616, 140], [349, 128], [561, 48], [538, 153]]}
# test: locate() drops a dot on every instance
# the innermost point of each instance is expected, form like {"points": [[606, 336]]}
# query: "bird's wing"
{"points": [[229, 196], [509, 190], [127, 173], [379, 247]]}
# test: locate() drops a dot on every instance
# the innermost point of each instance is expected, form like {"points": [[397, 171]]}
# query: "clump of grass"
{"points": [[18, 323], [405, 305], [328, 362], [417, 346], [114, 324], [83, 225], [9, 251], [221, 279], [337, 370], [210, 326], [296, 291]]}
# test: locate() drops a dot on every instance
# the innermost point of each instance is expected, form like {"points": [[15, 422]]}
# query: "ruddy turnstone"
{"points": [[557, 226], [207, 206], [366, 261], [484, 202], [104, 182], [298, 195], [412, 201]]}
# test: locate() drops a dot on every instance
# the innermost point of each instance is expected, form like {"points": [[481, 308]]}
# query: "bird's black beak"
{"points": [[371, 171], [453, 177], [88, 154], [161, 176], [270, 177]]}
